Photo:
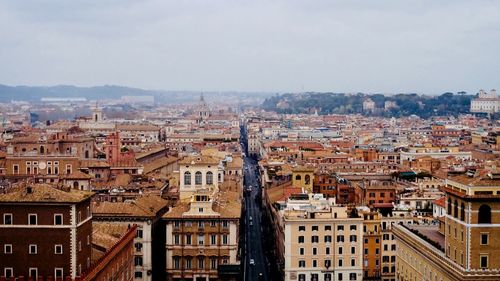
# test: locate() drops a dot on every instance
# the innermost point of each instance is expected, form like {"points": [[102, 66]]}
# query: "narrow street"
{"points": [[255, 265]]}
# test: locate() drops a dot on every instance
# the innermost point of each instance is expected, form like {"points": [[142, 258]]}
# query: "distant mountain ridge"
{"points": [[35, 93]]}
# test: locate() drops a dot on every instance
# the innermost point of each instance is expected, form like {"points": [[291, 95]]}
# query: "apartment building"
{"points": [[323, 242], [62, 222], [198, 173]]}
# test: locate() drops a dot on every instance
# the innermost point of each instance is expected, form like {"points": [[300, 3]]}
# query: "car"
{"points": [[252, 262]]}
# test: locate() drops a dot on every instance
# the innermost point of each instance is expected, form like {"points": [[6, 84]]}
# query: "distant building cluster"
{"points": [[164, 192]]}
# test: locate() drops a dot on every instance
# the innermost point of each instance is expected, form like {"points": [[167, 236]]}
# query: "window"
{"points": [[340, 277], [455, 209], [353, 238], [340, 227], [328, 227], [302, 228], [177, 262], [462, 212], [302, 277], [201, 224], [213, 263], [315, 228], [187, 178], [32, 249], [7, 249], [188, 239], [352, 227], [200, 210], [138, 274], [79, 218], [484, 238], [58, 249], [352, 276], [177, 224], [340, 238], [139, 233], [314, 277], [213, 239], [58, 273], [15, 169], [328, 238], [340, 250], [353, 262], [33, 272], [197, 178], [58, 219], [314, 239], [201, 239], [201, 263], [225, 239], [340, 262], [210, 177], [301, 239], [188, 263], [353, 250], [68, 169], [483, 259], [176, 239], [7, 219], [225, 224], [8, 272], [315, 251], [302, 263], [32, 219], [138, 261], [484, 215], [138, 247], [301, 251], [327, 250]]}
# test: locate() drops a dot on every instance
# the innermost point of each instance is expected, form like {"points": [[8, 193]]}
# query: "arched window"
{"points": [[462, 212], [484, 215], [87, 155], [449, 206], [187, 178], [307, 179], [298, 177], [455, 209], [210, 177], [75, 185], [197, 178]]}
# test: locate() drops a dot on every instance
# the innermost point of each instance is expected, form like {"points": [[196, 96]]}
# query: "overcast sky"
{"points": [[341, 46]]}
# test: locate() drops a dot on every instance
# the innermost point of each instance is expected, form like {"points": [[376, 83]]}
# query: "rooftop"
{"points": [[44, 193]]}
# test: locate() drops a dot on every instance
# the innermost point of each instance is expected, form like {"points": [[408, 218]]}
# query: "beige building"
{"points": [[202, 236], [466, 247], [323, 242], [198, 173]]}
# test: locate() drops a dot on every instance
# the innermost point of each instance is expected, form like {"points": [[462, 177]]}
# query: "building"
{"points": [[113, 251], [202, 236], [198, 173], [485, 103], [145, 213], [368, 105], [372, 239], [322, 241], [45, 232], [466, 247]]}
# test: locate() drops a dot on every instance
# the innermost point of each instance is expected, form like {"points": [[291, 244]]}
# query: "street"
{"points": [[255, 262]]}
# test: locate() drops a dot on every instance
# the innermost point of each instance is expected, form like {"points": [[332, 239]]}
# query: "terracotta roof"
{"points": [[282, 192], [94, 163], [159, 163], [107, 234], [137, 127], [199, 160], [44, 193], [144, 206], [440, 202]]}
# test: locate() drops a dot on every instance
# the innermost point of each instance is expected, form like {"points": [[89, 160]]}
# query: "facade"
{"points": [[202, 236], [466, 247], [145, 213], [323, 242], [198, 173], [485, 103], [62, 222]]}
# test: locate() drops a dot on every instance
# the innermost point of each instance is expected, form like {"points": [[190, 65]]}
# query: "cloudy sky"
{"points": [[370, 46]]}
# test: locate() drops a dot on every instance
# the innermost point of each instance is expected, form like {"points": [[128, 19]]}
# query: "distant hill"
{"points": [[35, 93], [340, 103]]}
